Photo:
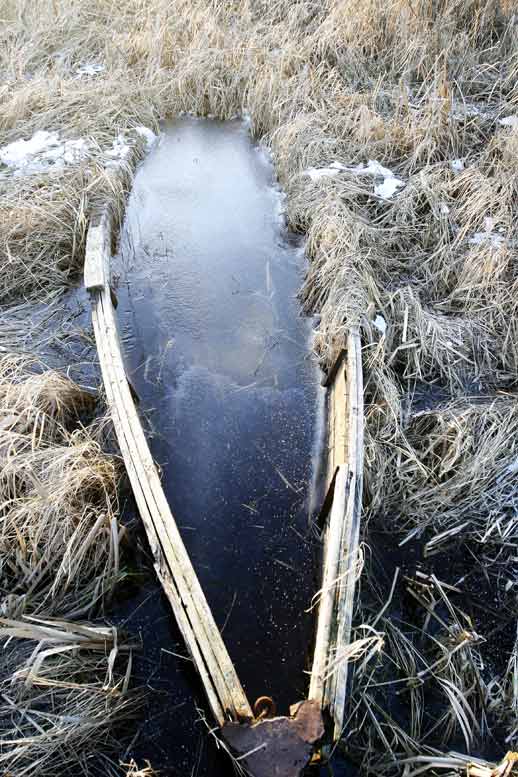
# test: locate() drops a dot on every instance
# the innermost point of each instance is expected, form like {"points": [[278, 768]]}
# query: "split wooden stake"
{"points": [[328, 683]]}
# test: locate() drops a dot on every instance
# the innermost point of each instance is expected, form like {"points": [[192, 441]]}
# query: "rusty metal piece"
{"points": [[278, 747], [264, 707]]}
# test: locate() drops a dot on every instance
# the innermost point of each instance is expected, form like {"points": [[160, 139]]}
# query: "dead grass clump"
{"points": [[28, 394], [433, 685], [43, 223], [59, 533], [63, 688], [454, 476]]}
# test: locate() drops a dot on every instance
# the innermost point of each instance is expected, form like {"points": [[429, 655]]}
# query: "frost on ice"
{"points": [[43, 152], [385, 190]]}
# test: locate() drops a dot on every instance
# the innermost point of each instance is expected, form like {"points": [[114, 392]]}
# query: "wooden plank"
{"points": [[337, 422], [97, 254], [327, 608], [328, 683], [329, 377], [203, 626], [347, 572], [224, 692]]}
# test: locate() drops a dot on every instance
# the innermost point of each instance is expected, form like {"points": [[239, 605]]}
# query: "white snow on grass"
{"points": [[488, 235], [316, 173], [390, 184], [457, 165], [47, 152], [88, 70], [388, 188], [148, 135], [373, 168], [380, 324], [385, 190], [509, 121], [43, 152], [119, 151]]}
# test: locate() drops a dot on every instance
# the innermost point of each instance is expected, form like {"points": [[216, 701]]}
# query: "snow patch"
{"points": [[388, 188], [385, 190], [88, 70], [316, 173], [488, 235], [457, 165], [373, 168], [148, 135], [380, 324], [119, 151], [509, 121], [47, 152], [43, 152]]}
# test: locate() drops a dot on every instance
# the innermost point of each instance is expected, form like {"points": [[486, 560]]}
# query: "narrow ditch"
{"points": [[219, 354]]}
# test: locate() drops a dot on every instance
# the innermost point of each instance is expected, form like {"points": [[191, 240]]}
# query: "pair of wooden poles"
{"points": [[224, 692]]}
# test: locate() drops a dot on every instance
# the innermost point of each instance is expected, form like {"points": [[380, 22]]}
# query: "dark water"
{"points": [[219, 354]]}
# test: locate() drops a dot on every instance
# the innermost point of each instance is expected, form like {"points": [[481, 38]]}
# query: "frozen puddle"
{"points": [[219, 354]]}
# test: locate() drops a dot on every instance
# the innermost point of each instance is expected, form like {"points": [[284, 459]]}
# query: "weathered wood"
{"points": [[327, 595], [327, 502], [328, 683], [97, 254], [337, 422], [329, 377], [347, 573], [224, 692]]}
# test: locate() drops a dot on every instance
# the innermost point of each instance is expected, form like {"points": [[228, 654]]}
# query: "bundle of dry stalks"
{"points": [[450, 475], [434, 685], [59, 535], [63, 686]]}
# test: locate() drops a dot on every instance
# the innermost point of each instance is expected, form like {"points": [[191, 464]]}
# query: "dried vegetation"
{"points": [[426, 89]]}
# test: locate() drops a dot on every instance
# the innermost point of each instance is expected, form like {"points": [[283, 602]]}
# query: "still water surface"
{"points": [[219, 354]]}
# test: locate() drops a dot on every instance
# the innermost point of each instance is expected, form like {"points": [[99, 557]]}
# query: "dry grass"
{"points": [[63, 686], [416, 86], [59, 535]]}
